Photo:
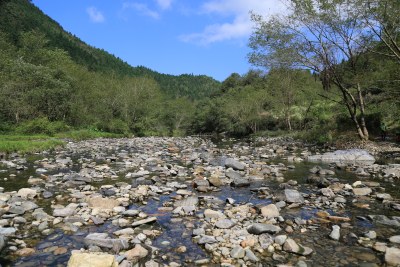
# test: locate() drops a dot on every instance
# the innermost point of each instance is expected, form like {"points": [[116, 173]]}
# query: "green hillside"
{"points": [[17, 16]]}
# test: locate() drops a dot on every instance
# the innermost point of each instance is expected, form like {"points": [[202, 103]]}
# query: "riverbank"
{"points": [[189, 201]]}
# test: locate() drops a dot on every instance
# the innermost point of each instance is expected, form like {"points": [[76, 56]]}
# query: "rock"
{"points": [[25, 252], [27, 193], [260, 228], [351, 155], [125, 231], [103, 203], [292, 247], [102, 240], [392, 256], [60, 251], [137, 253], [237, 252], [270, 211], [144, 221], [280, 239], [2, 242], [395, 239], [7, 231], [234, 164], [224, 224], [370, 234], [64, 212], [383, 196], [293, 196], [363, 191], [207, 239], [240, 182], [335, 234], [91, 260], [215, 181], [265, 240], [208, 214], [251, 256]]}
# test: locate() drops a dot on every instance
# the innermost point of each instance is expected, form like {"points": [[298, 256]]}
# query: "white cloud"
{"points": [[164, 4], [142, 9], [95, 15], [240, 25]]}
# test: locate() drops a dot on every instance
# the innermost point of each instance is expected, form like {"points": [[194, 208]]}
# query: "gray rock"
{"points": [[234, 164], [335, 234], [144, 221], [260, 228], [233, 175], [265, 240], [63, 212], [16, 210], [7, 231], [270, 211], [2, 242], [102, 240], [207, 239], [224, 224], [209, 213], [280, 239], [352, 155], [293, 196], [251, 256], [292, 247], [240, 182], [237, 252], [198, 231], [363, 191]]}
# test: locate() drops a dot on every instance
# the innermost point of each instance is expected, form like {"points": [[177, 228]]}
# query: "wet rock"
{"points": [[260, 228], [104, 241], [240, 182], [215, 181], [65, 212], [234, 164], [293, 196], [335, 234], [25, 252], [2, 242], [292, 247], [92, 260], [144, 221], [382, 219], [392, 256]]}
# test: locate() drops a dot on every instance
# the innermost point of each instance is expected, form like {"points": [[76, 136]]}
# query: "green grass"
{"points": [[29, 145], [34, 143]]}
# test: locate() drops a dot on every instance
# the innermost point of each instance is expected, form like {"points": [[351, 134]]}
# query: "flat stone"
{"points": [[102, 240], [260, 228], [207, 239], [25, 252], [7, 231], [224, 224], [103, 203], [144, 221], [92, 260], [270, 211], [250, 255]]}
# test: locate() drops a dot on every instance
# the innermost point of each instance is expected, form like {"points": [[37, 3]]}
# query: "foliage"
{"points": [[27, 144]]}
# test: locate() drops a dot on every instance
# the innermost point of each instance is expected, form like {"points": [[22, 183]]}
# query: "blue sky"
{"points": [[169, 36]]}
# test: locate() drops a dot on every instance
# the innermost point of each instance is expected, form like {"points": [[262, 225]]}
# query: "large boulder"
{"points": [[351, 155], [92, 260], [234, 164]]}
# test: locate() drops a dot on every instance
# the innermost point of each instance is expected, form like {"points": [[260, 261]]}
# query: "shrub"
{"points": [[42, 126]]}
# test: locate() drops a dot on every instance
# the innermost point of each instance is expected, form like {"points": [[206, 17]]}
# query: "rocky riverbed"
{"points": [[191, 202]]}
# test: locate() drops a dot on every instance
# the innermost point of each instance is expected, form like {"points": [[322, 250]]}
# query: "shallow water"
{"points": [[176, 232]]}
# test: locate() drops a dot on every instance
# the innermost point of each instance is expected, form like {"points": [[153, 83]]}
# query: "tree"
{"points": [[322, 36]]}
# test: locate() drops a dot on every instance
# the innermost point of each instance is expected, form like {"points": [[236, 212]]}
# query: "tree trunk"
{"points": [[362, 111]]}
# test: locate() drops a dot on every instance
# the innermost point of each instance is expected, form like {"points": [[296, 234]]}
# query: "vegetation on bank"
{"points": [[314, 86]]}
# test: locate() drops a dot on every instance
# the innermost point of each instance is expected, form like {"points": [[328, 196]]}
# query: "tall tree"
{"points": [[320, 35]]}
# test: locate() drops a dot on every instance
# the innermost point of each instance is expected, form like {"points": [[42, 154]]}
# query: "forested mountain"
{"points": [[18, 16]]}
